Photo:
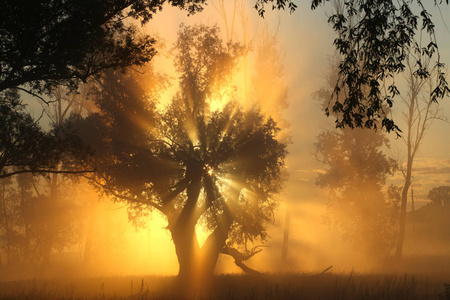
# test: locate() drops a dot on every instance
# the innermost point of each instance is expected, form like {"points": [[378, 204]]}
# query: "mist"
{"points": [[314, 200]]}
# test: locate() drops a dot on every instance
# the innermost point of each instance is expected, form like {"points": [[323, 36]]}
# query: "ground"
{"points": [[271, 286]]}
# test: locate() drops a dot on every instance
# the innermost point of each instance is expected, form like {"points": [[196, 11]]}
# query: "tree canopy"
{"points": [[440, 196], [25, 147], [54, 42]]}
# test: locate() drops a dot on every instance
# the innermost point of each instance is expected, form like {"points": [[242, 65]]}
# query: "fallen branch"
{"points": [[239, 258]]}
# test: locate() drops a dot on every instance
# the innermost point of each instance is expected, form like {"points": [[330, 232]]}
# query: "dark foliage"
{"points": [[440, 196], [54, 42], [25, 147]]}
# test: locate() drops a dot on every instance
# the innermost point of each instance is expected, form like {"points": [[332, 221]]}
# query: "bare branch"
{"points": [[41, 171], [36, 95], [239, 258]]}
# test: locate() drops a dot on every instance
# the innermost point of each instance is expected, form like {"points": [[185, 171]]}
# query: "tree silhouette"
{"points": [[219, 168], [440, 196], [28, 238], [355, 175], [26, 148], [50, 43]]}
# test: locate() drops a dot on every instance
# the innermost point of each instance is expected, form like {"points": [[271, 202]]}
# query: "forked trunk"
{"points": [[197, 264]]}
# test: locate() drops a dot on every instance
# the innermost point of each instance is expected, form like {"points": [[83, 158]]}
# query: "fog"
{"points": [[348, 221]]}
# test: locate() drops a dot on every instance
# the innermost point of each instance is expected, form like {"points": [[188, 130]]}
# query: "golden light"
{"points": [[208, 169]]}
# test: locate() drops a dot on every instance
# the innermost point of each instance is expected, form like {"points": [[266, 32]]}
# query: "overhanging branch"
{"points": [[9, 174]]}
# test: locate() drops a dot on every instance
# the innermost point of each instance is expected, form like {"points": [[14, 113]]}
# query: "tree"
{"points": [[46, 44], [440, 196], [26, 148], [219, 169], [22, 142], [420, 111], [356, 173], [32, 223]]}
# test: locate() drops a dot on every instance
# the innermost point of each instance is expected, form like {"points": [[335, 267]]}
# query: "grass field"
{"points": [[272, 286]]}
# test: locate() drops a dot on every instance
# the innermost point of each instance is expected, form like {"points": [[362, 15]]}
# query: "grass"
{"points": [[272, 286]]}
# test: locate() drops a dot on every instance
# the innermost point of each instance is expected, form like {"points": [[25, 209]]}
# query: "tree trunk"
{"points": [[183, 232], [196, 265], [51, 225], [284, 249], [402, 225], [90, 233]]}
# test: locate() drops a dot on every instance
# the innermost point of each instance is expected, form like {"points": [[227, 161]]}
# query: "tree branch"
{"points": [[36, 95], [128, 198], [5, 175], [239, 258]]}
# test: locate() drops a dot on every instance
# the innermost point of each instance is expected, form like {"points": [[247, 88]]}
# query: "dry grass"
{"points": [[273, 286]]}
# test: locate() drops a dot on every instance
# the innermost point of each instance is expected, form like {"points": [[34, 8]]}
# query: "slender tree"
{"points": [[420, 111]]}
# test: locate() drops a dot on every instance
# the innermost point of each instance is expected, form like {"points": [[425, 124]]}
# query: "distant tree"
{"points": [[440, 196], [355, 176], [219, 169], [24, 232], [432, 221]]}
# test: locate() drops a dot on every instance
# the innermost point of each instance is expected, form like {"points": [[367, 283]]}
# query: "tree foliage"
{"points": [[26, 237], [440, 196], [54, 42], [25, 147]]}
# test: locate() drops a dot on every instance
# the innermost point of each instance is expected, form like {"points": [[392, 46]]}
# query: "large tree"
{"points": [[219, 169]]}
